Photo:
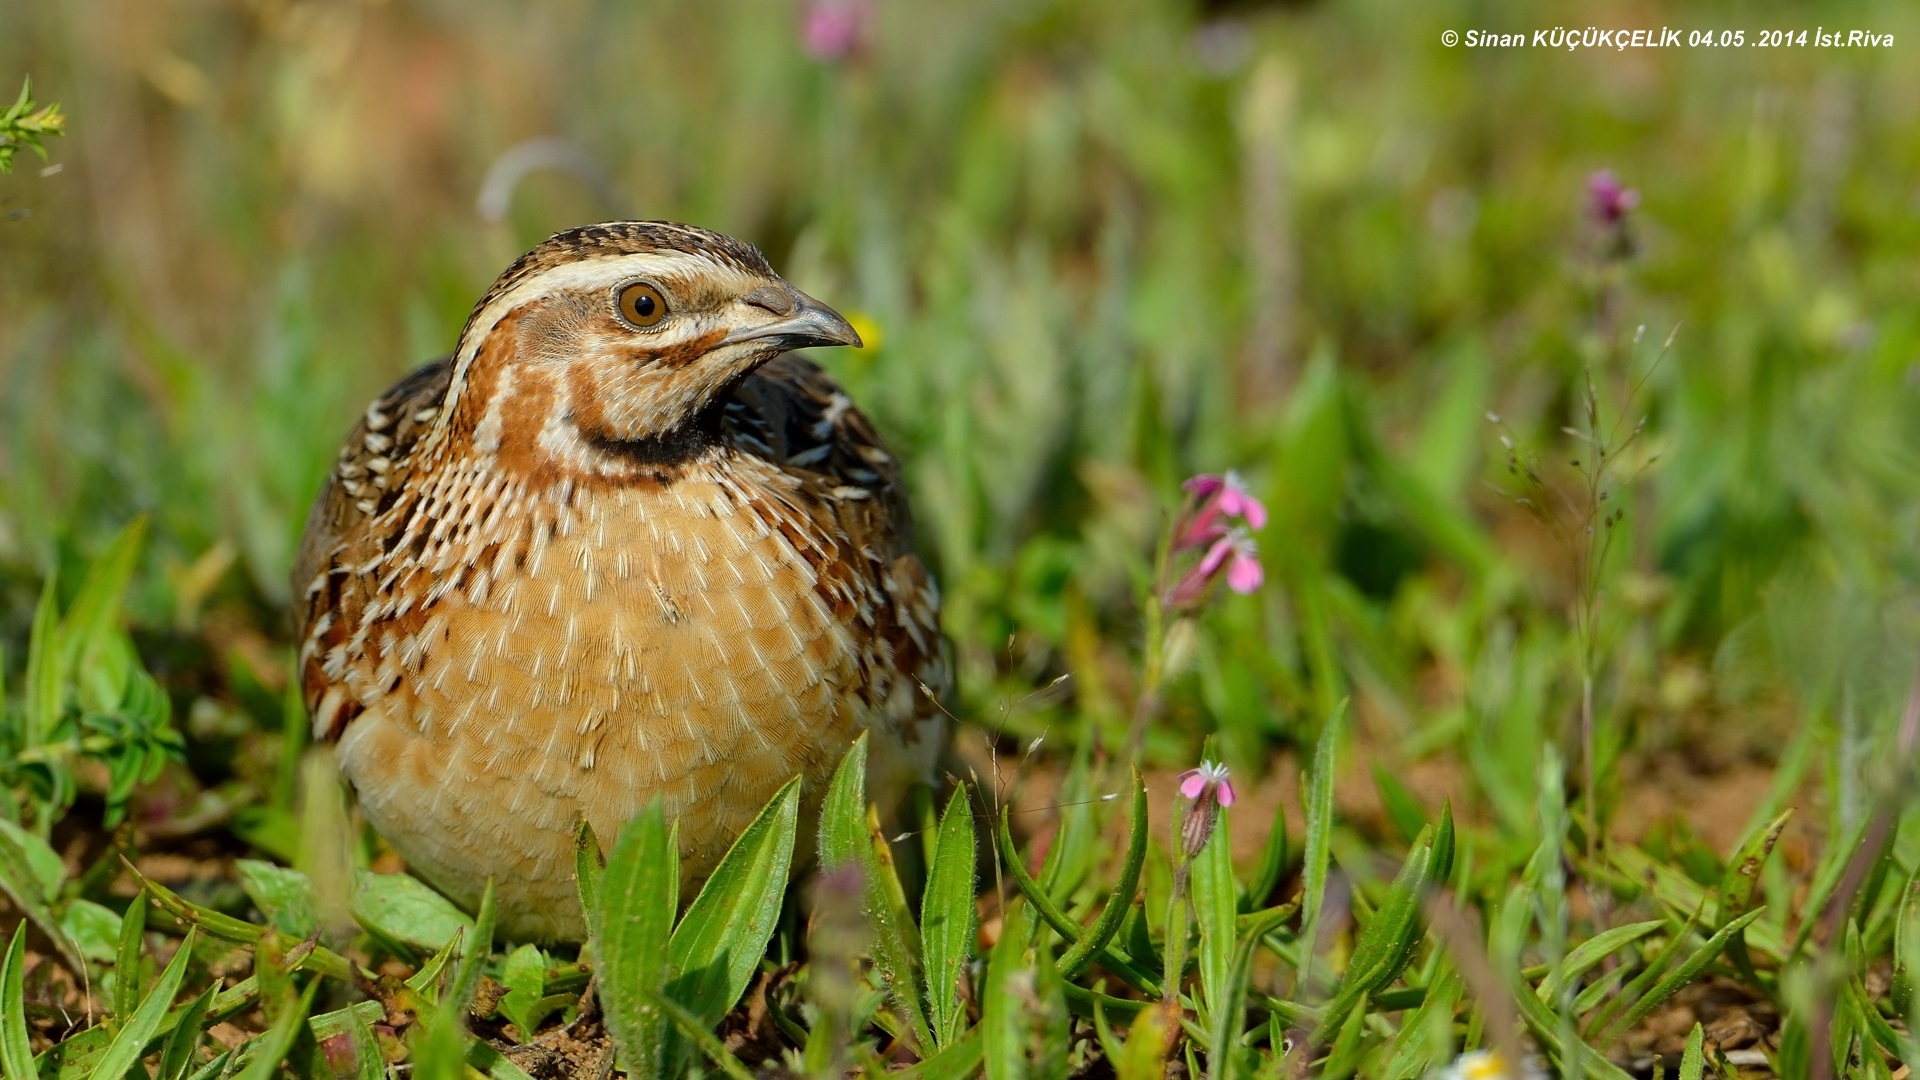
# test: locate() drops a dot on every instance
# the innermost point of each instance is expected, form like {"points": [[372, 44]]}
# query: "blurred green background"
{"points": [[1104, 244]]}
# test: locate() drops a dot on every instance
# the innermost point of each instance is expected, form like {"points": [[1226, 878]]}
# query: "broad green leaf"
{"points": [[524, 974], [130, 1043], [947, 918], [284, 895], [16, 1052], [1146, 1051], [403, 908], [1215, 908], [30, 864], [638, 897], [31, 874], [724, 933], [843, 813], [95, 930]]}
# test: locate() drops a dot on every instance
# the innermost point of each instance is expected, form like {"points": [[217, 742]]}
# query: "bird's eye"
{"points": [[642, 305]]}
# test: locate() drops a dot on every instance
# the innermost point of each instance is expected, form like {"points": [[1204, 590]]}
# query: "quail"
{"points": [[621, 545]]}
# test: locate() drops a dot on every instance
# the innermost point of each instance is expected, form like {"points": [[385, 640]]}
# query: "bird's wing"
{"points": [[364, 477]]}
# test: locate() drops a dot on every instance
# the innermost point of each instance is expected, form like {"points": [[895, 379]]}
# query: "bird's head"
{"points": [[623, 335]]}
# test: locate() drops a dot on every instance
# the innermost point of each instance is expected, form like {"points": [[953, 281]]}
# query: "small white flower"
{"points": [[1488, 1065]]}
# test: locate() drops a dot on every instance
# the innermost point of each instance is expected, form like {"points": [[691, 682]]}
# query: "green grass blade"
{"points": [[1010, 860], [95, 615], [1591, 952], [130, 1044], [1679, 977], [719, 942], [947, 918], [638, 899], [126, 964], [1693, 1061], [1230, 1009], [1644, 981], [1402, 809], [1415, 1047], [46, 682], [895, 942], [1736, 888], [589, 865], [16, 1052], [368, 1064], [176, 1057], [1002, 1002], [473, 959], [1387, 942], [271, 1048], [700, 1033], [1319, 837], [956, 1062], [1272, 864], [1080, 955]]}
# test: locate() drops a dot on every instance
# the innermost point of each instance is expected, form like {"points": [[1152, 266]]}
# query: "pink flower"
{"points": [[1608, 200], [1206, 790], [1233, 551], [833, 29], [1218, 496], [1195, 782]]}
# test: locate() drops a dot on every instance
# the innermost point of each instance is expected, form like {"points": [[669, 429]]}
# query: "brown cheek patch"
{"points": [[680, 354], [483, 378]]}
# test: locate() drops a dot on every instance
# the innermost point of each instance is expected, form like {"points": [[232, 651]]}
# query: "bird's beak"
{"points": [[803, 323]]}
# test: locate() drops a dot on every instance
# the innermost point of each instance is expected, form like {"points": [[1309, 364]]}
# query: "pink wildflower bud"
{"points": [[833, 29], [1218, 497], [1236, 554], [1608, 200], [1206, 789]]}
